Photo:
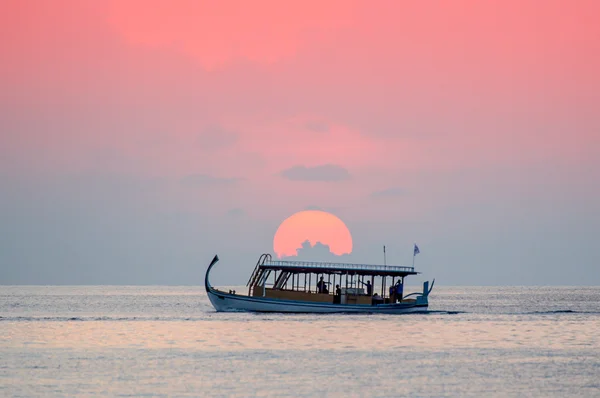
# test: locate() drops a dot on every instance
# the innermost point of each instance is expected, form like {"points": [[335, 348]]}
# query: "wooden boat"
{"points": [[303, 287]]}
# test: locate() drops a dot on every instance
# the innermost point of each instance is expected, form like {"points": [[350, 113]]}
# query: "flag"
{"points": [[416, 251]]}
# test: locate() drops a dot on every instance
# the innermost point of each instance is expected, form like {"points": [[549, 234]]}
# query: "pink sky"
{"points": [[405, 109]]}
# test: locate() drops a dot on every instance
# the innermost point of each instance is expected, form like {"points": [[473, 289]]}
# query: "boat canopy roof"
{"points": [[338, 268]]}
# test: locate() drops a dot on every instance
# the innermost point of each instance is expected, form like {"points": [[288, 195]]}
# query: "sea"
{"points": [[154, 341]]}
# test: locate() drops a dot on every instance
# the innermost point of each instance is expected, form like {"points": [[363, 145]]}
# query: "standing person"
{"points": [[392, 294], [399, 289], [337, 299], [369, 287], [322, 286]]}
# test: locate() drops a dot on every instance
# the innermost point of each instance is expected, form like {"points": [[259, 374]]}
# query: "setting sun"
{"points": [[314, 226]]}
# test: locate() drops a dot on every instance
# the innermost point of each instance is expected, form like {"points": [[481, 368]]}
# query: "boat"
{"points": [[321, 287]]}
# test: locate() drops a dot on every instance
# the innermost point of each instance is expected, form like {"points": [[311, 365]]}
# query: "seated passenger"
{"points": [[377, 299]]}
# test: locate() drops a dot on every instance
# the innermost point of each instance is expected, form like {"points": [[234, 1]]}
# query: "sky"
{"points": [[140, 138]]}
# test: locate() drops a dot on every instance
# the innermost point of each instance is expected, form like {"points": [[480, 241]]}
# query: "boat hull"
{"points": [[234, 303]]}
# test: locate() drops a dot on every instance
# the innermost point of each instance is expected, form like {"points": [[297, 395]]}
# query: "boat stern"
{"points": [[422, 299]]}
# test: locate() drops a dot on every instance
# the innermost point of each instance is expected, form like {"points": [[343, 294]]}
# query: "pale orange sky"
{"points": [[444, 122]]}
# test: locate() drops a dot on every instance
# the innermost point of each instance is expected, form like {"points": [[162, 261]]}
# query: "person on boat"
{"points": [[369, 287], [393, 294], [337, 299], [322, 286], [377, 299], [399, 290]]}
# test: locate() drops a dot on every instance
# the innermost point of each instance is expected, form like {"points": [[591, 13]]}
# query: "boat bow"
{"points": [[207, 284]]}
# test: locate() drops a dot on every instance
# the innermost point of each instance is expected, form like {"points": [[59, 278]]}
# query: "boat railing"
{"points": [[338, 266], [261, 260]]}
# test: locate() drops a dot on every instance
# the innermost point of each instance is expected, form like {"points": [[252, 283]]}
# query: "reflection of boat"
{"points": [[302, 287]]}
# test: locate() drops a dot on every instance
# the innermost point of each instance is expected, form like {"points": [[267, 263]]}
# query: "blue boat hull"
{"points": [[231, 303]]}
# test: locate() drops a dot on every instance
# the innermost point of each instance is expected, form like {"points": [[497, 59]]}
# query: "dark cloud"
{"points": [[205, 179], [327, 172], [389, 192], [316, 252]]}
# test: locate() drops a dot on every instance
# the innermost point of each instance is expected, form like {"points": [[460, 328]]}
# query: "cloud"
{"points": [[205, 179], [328, 172], [389, 192], [316, 252]]}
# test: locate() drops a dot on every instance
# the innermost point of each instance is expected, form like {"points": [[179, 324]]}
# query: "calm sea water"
{"points": [[168, 341]]}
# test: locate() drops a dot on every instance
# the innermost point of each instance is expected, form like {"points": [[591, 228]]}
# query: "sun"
{"points": [[314, 226]]}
